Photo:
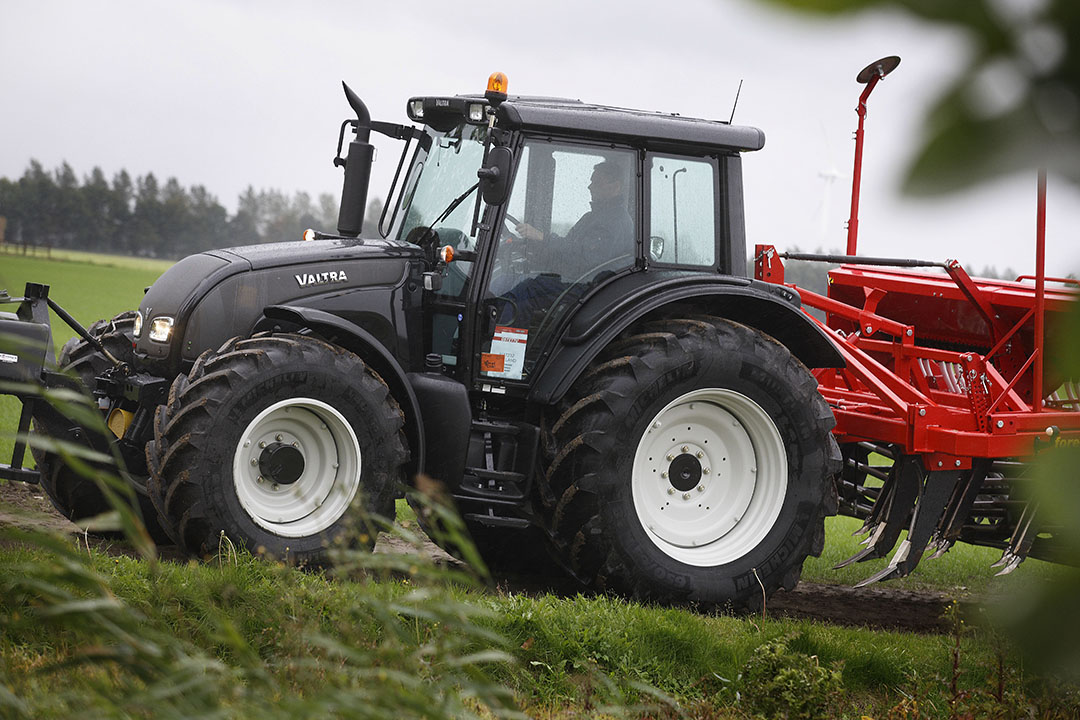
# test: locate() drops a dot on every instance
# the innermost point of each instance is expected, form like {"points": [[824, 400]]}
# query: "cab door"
{"points": [[572, 221]]}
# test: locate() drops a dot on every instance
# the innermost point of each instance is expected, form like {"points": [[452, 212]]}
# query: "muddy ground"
{"points": [[879, 606]]}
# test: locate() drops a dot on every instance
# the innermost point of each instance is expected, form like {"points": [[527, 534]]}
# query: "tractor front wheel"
{"points": [[281, 442]]}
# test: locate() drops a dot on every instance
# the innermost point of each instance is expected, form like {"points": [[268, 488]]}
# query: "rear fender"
{"points": [[771, 309], [355, 339]]}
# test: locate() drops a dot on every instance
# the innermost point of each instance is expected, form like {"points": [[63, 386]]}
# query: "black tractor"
{"points": [[555, 324]]}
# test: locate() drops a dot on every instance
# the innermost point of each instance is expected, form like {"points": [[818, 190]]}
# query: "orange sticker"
{"points": [[492, 363]]}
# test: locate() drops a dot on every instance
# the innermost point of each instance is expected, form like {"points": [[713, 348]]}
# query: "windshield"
{"points": [[444, 168]]}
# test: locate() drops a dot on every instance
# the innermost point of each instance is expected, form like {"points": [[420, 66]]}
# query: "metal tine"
{"points": [[1021, 542], [881, 506], [906, 483], [889, 571], [959, 508], [853, 466], [929, 509], [1013, 562], [941, 546]]}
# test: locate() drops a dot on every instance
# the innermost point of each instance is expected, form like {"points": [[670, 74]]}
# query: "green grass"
{"points": [[567, 656]]}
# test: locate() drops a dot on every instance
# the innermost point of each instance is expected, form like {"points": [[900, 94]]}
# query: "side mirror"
{"points": [[495, 175]]}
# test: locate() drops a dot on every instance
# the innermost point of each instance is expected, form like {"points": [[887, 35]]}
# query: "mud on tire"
{"points": [[279, 441], [692, 463]]}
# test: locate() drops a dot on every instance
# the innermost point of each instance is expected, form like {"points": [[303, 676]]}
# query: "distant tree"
{"points": [[96, 200], [146, 219], [120, 212], [371, 218], [328, 212]]}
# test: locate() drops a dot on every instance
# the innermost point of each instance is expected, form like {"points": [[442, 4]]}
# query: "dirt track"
{"points": [[881, 606]]}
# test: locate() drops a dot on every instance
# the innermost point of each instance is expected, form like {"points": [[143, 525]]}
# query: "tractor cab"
{"points": [[532, 208]]}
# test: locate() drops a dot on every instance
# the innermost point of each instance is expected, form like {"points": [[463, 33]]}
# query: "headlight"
{"points": [[137, 330], [416, 109], [161, 329], [476, 112]]}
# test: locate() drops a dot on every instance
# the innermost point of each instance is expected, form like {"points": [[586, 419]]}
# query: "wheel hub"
{"points": [[709, 477], [281, 463], [684, 473], [297, 467]]}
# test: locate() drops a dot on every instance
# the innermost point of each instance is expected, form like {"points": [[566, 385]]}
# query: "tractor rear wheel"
{"points": [[75, 496], [284, 443], [693, 463]]}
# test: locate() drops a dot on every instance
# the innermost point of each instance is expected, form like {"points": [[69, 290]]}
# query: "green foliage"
{"points": [[778, 682], [1014, 107], [1041, 616]]}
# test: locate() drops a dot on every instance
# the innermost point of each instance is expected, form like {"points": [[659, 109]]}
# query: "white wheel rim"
{"points": [[741, 477], [331, 468]]}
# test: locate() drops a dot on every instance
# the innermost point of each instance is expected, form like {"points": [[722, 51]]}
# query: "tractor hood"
{"points": [[208, 298]]}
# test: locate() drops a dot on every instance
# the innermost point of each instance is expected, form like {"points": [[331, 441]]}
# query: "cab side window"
{"points": [[682, 205]]}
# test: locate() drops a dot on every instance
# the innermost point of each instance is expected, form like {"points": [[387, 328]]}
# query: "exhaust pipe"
{"points": [[357, 168]]}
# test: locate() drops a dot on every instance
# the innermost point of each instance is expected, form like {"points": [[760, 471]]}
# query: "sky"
{"points": [[230, 94]]}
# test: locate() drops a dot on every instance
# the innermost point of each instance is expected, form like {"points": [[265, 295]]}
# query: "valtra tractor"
{"points": [[555, 323]]}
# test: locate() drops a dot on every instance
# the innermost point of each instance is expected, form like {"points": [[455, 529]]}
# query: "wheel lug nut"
{"points": [[262, 444], [700, 454], [670, 457], [663, 475], [684, 448], [274, 486], [279, 437], [295, 444], [706, 471], [259, 479], [701, 488], [254, 462], [671, 491], [686, 496]]}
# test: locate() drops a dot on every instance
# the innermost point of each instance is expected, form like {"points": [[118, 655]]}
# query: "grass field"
{"points": [[84, 631]]}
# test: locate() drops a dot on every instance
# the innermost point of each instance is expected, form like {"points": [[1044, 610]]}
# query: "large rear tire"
{"points": [[693, 463], [76, 497], [282, 442]]}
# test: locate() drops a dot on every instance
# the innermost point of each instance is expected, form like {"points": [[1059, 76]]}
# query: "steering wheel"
{"points": [[510, 224]]}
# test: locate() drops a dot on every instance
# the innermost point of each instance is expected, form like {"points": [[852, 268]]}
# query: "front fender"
{"points": [[355, 339], [771, 309]]}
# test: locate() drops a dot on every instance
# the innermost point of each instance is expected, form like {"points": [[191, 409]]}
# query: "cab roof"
{"points": [[559, 115]]}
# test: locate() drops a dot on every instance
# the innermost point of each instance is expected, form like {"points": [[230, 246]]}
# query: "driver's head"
{"points": [[607, 181]]}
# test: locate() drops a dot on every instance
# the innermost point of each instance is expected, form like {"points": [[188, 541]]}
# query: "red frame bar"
{"points": [[895, 391]]}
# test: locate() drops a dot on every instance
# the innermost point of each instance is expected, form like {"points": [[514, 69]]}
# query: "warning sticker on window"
{"points": [[507, 356], [492, 363]]}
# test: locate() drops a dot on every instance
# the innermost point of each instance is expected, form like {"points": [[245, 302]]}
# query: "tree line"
{"points": [[144, 217]]}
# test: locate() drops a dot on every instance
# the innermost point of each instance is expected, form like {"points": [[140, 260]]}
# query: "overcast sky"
{"points": [[231, 94]]}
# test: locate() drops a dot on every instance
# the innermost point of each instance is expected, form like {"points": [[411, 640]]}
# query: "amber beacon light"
{"points": [[496, 88]]}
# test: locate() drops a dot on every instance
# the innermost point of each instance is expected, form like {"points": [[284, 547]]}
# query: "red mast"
{"points": [[869, 76]]}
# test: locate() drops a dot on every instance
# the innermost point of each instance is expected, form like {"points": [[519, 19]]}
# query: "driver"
{"points": [[606, 226], [559, 264]]}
